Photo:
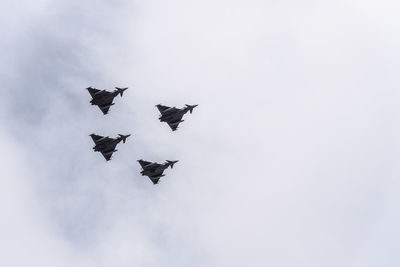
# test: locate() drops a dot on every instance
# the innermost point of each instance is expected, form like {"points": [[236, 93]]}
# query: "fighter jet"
{"points": [[104, 99], [173, 116], [155, 170], [106, 145]]}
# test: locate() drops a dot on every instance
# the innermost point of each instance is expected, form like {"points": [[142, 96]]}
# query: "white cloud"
{"points": [[289, 160]]}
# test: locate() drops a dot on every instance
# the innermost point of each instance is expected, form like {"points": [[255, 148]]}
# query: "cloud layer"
{"points": [[289, 160]]}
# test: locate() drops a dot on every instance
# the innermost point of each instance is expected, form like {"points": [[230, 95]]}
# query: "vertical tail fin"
{"points": [[191, 107], [172, 162], [123, 137], [121, 90]]}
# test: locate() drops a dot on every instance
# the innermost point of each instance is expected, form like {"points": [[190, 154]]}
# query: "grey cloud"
{"points": [[289, 160]]}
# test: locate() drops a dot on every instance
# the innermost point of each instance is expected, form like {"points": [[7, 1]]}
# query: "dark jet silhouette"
{"points": [[173, 116], [106, 145], [155, 170], [104, 99]]}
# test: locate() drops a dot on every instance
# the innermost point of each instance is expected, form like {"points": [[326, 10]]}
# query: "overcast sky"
{"points": [[291, 158]]}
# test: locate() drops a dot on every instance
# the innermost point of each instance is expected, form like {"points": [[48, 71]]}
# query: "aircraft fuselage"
{"points": [[172, 116], [104, 98], [106, 145]]}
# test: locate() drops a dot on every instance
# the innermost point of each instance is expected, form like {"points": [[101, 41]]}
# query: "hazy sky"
{"points": [[290, 160]]}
